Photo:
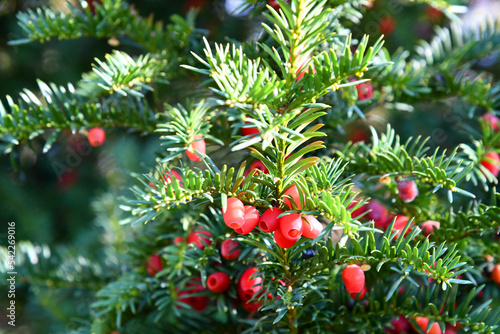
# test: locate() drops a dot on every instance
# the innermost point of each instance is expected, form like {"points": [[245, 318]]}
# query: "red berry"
{"points": [[251, 306], [365, 91], [196, 238], [251, 218], [96, 137], [199, 303], [359, 135], [167, 178], [428, 226], [91, 5], [492, 120], [400, 224], [154, 264], [229, 249], [378, 214], [423, 322], [234, 216], [359, 211], [178, 240], [492, 162], [269, 221], [218, 282], [361, 294], [312, 228], [246, 131], [354, 278], [495, 274], [249, 284], [259, 166], [199, 145], [408, 190], [387, 25], [434, 14], [450, 330], [293, 191], [291, 226], [282, 241], [401, 325]]}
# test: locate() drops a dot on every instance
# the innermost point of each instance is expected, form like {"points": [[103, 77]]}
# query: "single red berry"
{"points": [[495, 274], [423, 322], [378, 214], [387, 25], [274, 4], [428, 226], [492, 120], [282, 241], [196, 238], [354, 278], [312, 226], [293, 191], [198, 303], [433, 13], [167, 178], [258, 166], [399, 224], [492, 163], [234, 216], [360, 294], [249, 284], [269, 221], [198, 145], [251, 218], [359, 211], [154, 264], [365, 91], [229, 249], [218, 282], [91, 5], [408, 190], [291, 226], [247, 131], [359, 135], [96, 137], [178, 240], [401, 325]]}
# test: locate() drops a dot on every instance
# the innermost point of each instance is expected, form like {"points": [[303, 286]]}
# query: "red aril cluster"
{"points": [[96, 137], [200, 238], [218, 282], [492, 162], [154, 264], [408, 190], [293, 192], [198, 145], [354, 278], [229, 249], [241, 218], [249, 285]]}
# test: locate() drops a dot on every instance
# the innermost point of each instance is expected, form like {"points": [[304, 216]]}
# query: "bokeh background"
{"points": [[76, 210]]}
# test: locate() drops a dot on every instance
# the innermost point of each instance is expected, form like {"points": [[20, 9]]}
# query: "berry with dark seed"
{"points": [[308, 253]]}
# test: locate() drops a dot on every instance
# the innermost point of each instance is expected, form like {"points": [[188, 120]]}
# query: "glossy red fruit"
{"points": [[96, 137], [269, 221], [492, 163], [251, 218], [401, 325], [429, 226], [199, 145], [229, 249], [354, 278], [258, 166], [387, 25], [360, 294], [423, 322], [282, 241], [218, 282], [495, 274], [378, 214], [234, 216], [197, 238], [400, 224], [178, 240], [154, 264], [199, 303], [408, 190], [492, 120], [312, 226], [249, 284], [291, 226], [247, 131], [365, 91], [293, 191]]}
